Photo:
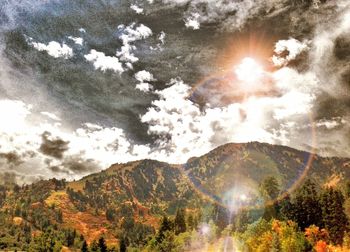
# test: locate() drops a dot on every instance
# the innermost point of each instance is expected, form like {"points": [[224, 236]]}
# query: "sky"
{"points": [[86, 84]]}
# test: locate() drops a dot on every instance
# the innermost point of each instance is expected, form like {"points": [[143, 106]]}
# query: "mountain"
{"points": [[132, 197]]}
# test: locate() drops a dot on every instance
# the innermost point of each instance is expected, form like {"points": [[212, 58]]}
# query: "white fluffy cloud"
{"points": [[125, 56], [136, 8], [103, 62], [130, 34], [77, 40], [193, 21], [143, 77], [292, 47], [53, 49]]}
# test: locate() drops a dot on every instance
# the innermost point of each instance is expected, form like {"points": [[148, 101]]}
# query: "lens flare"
{"points": [[249, 71]]}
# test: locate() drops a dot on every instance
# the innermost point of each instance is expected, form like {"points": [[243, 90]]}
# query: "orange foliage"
{"points": [[314, 234], [321, 246], [276, 226]]}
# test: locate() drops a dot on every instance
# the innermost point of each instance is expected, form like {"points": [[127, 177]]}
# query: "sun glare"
{"points": [[249, 70]]}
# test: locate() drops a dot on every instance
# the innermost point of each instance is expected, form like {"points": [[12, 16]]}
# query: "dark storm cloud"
{"points": [[54, 147], [78, 165], [74, 165], [11, 158]]}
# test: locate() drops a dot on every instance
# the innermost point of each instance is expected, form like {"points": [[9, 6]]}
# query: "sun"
{"points": [[249, 71]]}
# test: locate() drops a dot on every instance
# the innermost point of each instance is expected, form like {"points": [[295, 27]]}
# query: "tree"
{"points": [[122, 246], [94, 246], [165, 225], [219, 216], [307, 209], [70, 236], [190, 222], [102, 244], [110, 214], [84, 247], [347, 189], [59, 216], [286, 208], [270, 188], [179, 222], [334, 217]]}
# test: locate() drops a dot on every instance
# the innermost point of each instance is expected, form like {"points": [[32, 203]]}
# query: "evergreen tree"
{"points": [[122, 246], [70, 236], [270, 188], [94, 246], [286, 208], [110, 214], [219, 216], [165, 225], [347, 189], [190, 222], [307, 209], [179, 222], [334, 217], [84, 247], [102, 244]]}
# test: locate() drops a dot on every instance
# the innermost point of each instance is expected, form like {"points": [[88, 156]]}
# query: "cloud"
{"points": [[103, 62], [192, 21], [77, 40], [51, 116], [288, 50], [54, 147], [136, 8], [144, 77], [53, 49], [128, 35], [11, 158], [74, 165]]}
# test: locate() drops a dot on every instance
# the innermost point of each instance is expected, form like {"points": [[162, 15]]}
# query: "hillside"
{"points": [[131, 198]]}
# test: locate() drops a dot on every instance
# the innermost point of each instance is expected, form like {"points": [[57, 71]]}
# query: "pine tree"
{"points": [[179, 222], [94, 246], [347, 189], [334, 217], [286, 208], [165, 225], [102, 244], [84, 247], [122, 246], [307, 209], [270, 188], [219, 216], [190, 222]]}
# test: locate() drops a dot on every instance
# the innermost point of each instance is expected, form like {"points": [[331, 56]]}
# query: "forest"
{"points": [[312, 218]]}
